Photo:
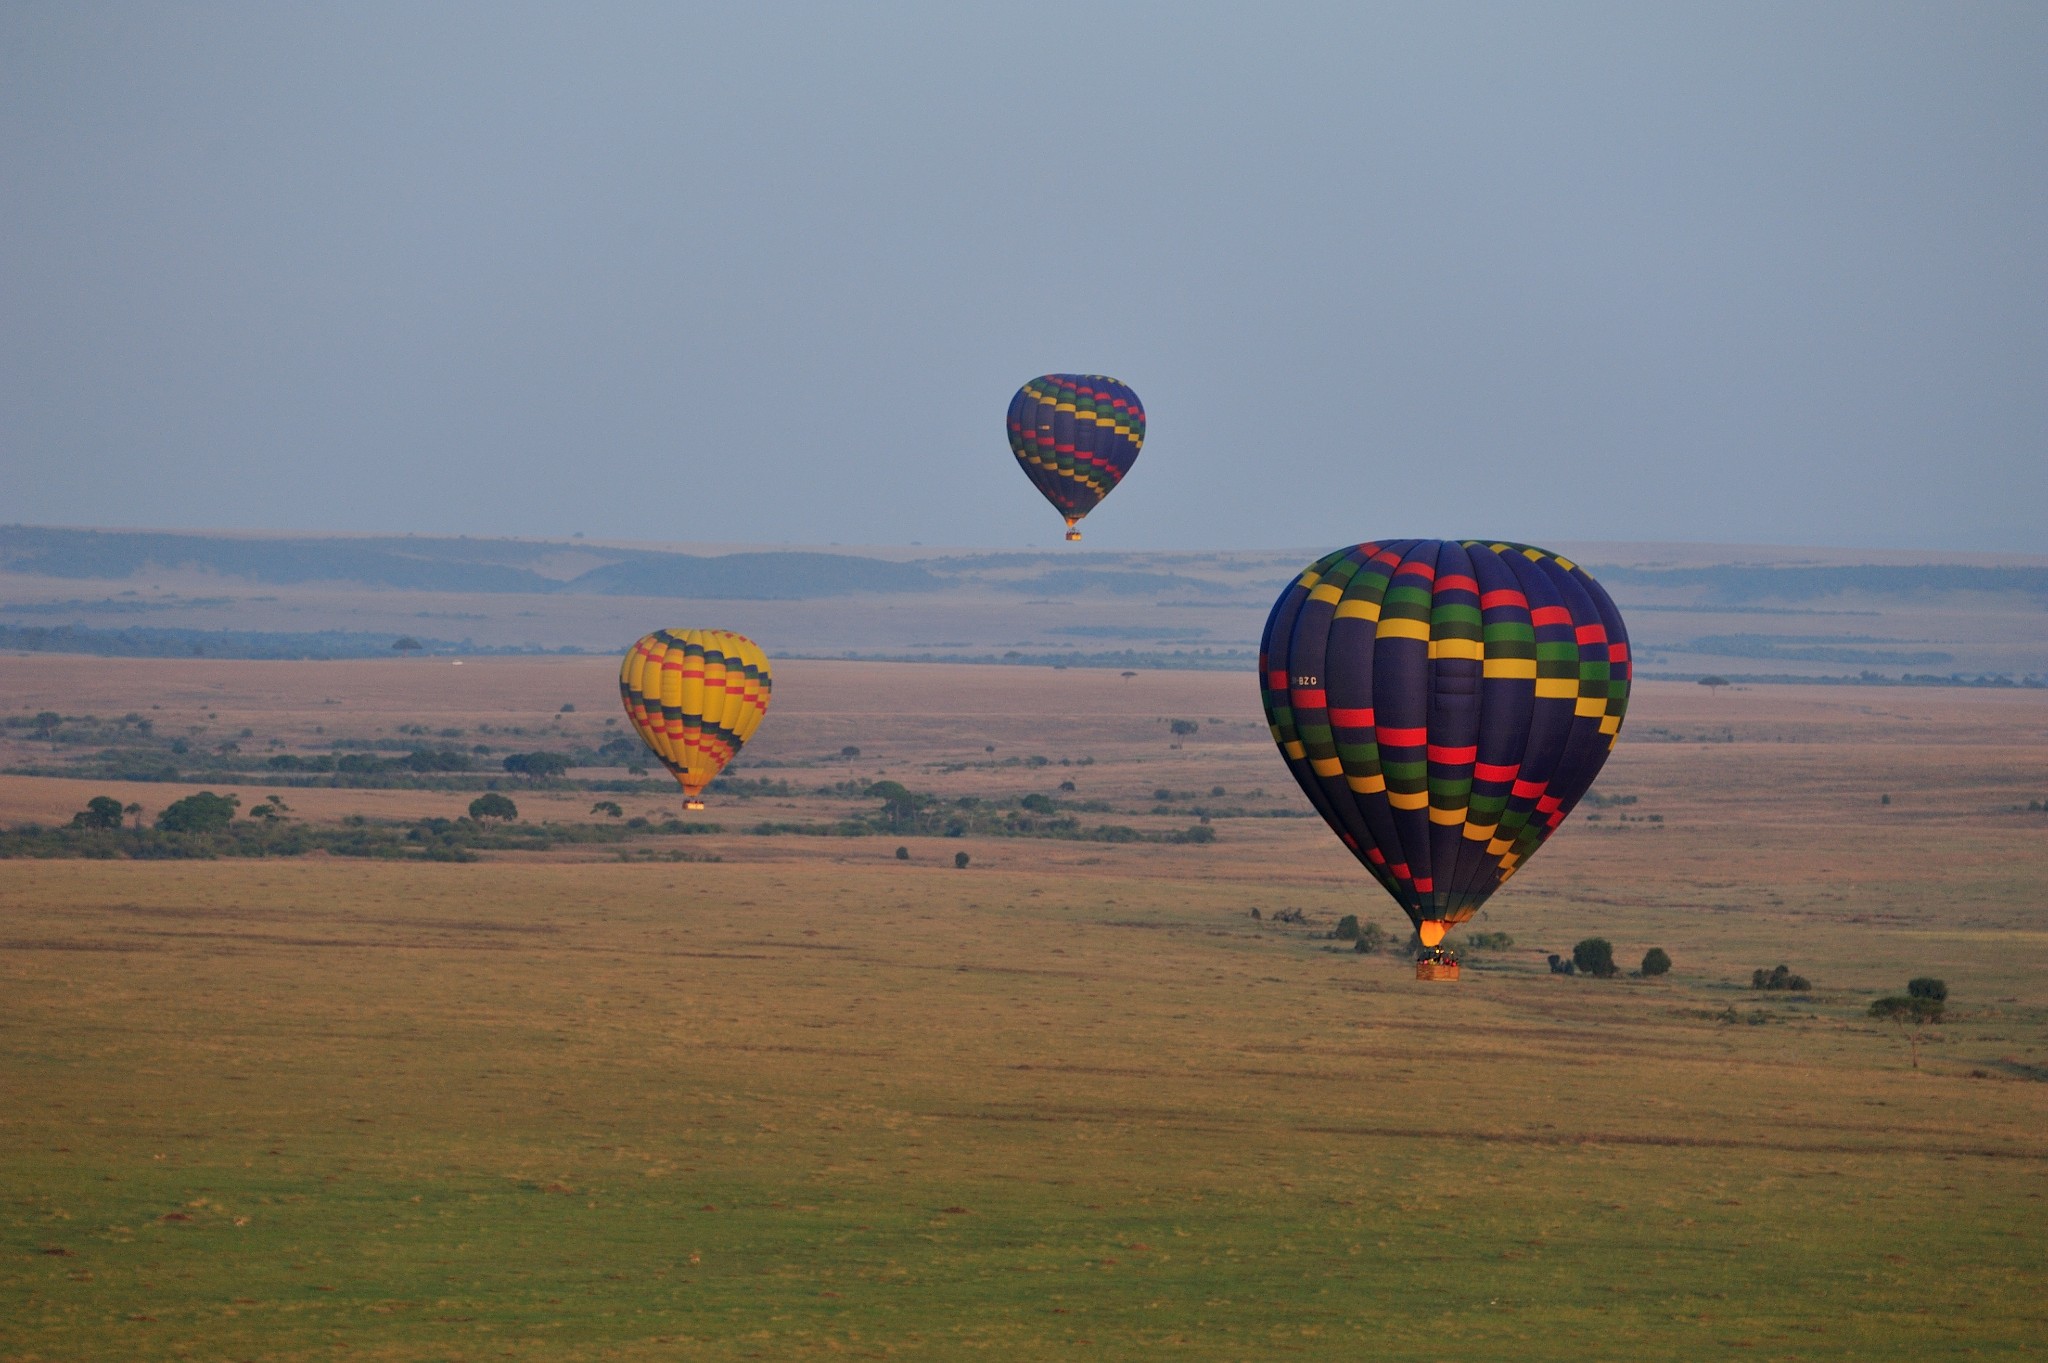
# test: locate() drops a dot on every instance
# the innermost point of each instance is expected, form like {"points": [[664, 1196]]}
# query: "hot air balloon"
{"points": [[694, 696], [1076, 435], [1444, 704]]}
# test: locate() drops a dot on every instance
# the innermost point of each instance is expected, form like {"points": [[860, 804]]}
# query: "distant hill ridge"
{"points": [[454, 565], [547, 567]]}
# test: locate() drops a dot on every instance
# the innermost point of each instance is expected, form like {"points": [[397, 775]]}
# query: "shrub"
{"points": [[492, 806], [1595, 956], [537, 765], [960, 860], [1371, 939], [1181, 728], [1656, 961], [1925, 987], [609, 808], [568, 709], [1487, 941], [903, 854], [1780, 978], [1346, 929], [201, 813]]}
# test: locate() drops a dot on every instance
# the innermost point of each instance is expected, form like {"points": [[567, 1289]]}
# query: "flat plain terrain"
{"points": [[1071, 1100]]}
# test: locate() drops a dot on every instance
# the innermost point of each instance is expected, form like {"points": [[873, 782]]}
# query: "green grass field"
{"points": [[317, 1110]]}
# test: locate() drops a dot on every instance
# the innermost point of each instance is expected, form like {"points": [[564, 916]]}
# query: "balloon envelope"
{"points": [[1444, 704], [694, 696], [1076, 436]]}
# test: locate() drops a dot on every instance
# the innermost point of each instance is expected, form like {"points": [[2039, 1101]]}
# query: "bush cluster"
{"points": [[1780, 978]]}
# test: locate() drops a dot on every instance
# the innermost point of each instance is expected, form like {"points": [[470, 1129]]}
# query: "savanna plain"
{"points": [[791, 1095]]}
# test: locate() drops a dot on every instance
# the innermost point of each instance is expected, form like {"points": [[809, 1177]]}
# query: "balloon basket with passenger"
{"points": [[1437, 961]]}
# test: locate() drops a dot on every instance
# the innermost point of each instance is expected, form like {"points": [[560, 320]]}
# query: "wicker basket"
{"points": [[1436, 970]]}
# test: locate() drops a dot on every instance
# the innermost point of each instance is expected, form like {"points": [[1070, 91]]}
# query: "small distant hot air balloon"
{"points": [[1444, 704], [1076, 435], [694, 696]]}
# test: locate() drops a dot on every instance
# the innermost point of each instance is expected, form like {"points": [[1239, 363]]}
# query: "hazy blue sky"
{"points": [[1744, 272]]}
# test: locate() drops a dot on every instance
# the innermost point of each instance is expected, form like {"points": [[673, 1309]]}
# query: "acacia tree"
{"points": [[205, 812], [101, 811], [1911, 1014], [492, 806]]}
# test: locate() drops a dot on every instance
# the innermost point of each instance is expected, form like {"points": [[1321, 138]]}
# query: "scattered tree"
{"points": [[201, 813], [568, 709], [405, 643], [903, 854], [134, 811], [900, 805], [960, 860], [1346, 929], [1128, 675], [1595, 956], [101, 811], [1910, 1014], [1656, 961], [272, 810], [493, 806], [609, 808], [1183, 728], [849, 752], [1713, 683], [1780, 978], [1371, 939], [1066, 785], [1884, 799], [1927, 987]]}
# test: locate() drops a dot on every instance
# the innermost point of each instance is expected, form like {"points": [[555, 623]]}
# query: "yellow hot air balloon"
{"points": [[694, 696]]}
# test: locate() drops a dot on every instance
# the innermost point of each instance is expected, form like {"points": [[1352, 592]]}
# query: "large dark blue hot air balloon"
{"points": [[1444, 704], [1076, 435]]}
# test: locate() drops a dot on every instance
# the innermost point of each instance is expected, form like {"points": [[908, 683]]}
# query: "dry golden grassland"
{"points": [[1069, 1101]]}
